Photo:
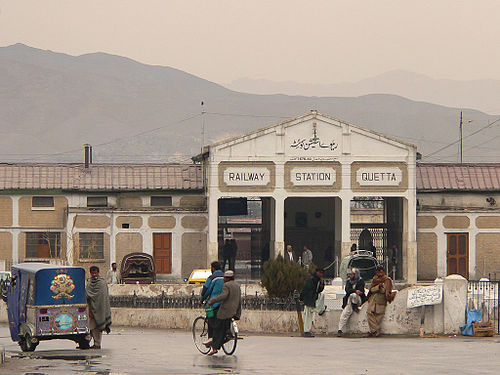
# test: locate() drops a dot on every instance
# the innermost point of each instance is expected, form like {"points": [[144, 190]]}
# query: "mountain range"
{"points": [[483, 95], [52, 103]]}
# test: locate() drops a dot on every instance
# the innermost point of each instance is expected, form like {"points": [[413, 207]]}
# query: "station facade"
{"points": [[305, 175], [312, 181]]}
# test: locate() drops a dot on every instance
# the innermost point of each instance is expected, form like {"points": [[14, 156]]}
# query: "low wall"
{"points": [[150, 290], [445, 318]]}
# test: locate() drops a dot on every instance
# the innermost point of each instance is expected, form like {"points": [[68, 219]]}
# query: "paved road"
{"points": [[130, 351]]}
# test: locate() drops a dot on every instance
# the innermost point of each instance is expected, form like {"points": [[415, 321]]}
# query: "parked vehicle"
{"points": [[138, 268], [199, 276], [362, 260], [46, 302]]}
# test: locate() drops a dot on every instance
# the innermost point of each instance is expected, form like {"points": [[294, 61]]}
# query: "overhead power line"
{"points": [[458, 140]]}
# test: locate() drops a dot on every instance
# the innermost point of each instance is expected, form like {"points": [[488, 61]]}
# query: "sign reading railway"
{"points": [[312, 176], [247, 176]]}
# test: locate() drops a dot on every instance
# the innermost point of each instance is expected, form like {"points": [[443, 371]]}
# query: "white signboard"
{"points": [[312, 176], [247, 176], [425, 295], [379, 176]]}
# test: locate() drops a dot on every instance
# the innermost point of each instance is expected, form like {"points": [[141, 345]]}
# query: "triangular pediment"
{"points": [[312, 135]]}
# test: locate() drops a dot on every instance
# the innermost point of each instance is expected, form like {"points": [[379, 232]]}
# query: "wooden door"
{"points": [[458, 254], [162, 252]]}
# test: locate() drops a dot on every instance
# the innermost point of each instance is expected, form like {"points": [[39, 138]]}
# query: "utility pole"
{"points": [[461, 139], [202, 127]]}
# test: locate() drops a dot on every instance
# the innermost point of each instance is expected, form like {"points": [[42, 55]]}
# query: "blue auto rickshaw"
{"points": [[46, 302]]}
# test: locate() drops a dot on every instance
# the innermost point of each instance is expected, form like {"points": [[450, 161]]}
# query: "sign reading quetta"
{"points": [[379, 176], [312, 176], [247, 176], [425, 295]]}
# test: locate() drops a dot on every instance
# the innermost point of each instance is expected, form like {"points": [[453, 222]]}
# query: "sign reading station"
{"points": [[425, 295], [247, 176], [312, 176], [379, 176]]}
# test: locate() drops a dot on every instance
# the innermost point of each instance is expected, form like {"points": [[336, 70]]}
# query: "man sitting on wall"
{"points": [[353, 299], [211, 289]]}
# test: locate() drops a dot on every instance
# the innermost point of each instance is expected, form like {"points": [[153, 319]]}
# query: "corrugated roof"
{"points": [[465, 177], [101, 177]]}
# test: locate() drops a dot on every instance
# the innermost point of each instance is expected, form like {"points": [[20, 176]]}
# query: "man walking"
{"points": [[379, 295], [314, 300], [211, 289], [289, 254], [99, 307], [307, 257], [113, 276], [230, 307], [353, 299]]}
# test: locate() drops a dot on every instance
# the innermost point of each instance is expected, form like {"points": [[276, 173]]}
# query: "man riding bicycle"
{"points": [[230, 308], [212, 288]]}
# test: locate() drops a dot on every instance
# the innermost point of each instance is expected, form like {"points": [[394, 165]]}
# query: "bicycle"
{"points": [[200, 335]]}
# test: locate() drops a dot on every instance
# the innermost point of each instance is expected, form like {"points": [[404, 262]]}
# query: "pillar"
{"points": [[279, 227], [346, 226], [15, 232], [337, 206], [213, 228], [410, 218]]}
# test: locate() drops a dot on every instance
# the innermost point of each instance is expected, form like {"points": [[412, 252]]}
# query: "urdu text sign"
{"points": [[425, 295]]}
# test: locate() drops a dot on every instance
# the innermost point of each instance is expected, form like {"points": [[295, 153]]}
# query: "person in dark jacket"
{"points": [[230, 299], [234, 252], [211, 289], [353, 299], [226, 254], [314, 299], [373, 249]]}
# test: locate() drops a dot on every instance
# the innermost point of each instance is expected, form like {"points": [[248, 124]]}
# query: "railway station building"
{"points": [[312, 181]]}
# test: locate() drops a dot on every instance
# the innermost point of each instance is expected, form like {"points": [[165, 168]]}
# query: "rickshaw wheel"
{"points": [[22, 344], [83, 343], [29, 345]]}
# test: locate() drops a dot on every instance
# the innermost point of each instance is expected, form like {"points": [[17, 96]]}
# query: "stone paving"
{"points": [[147, 351]]}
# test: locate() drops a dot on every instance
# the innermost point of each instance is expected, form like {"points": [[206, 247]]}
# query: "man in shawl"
{"points": [[314, 300], [99, 307], [353, 299], [379, 295]]}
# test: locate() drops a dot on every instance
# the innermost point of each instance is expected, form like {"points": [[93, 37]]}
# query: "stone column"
{"points": [[279, 227], [346, 226], [213, 226], [338, 228], [454, 301]]}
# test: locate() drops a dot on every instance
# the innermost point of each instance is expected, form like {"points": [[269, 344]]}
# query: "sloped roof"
{"points": [[458, 177], [305, 117], [101, 177]]}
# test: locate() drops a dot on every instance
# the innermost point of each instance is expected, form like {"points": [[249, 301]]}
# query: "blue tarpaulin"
{"points": [[472, 316]]}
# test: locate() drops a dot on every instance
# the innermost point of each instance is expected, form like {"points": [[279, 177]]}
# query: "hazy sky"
{"points": [[323, 41]]}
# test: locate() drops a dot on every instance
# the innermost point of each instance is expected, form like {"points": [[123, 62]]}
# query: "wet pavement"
{"points": [[128, 351]]}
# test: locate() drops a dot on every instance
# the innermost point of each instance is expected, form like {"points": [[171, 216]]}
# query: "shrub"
{"points": [[281, 277]]}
